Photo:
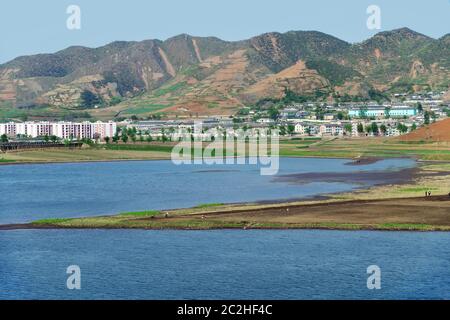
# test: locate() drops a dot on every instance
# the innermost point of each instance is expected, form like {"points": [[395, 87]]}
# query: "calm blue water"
{"points": [[296, 264], [31, 192], [222, 264]]}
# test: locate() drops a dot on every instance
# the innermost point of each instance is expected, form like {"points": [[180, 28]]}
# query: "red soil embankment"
{"points": [[438, 132]]}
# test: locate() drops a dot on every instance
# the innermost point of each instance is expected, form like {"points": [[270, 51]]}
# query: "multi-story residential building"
{"points": [[63, 130], [331, 130], [9, 129], [382, 111], [301, 128], [105, 129], [307, 128]]}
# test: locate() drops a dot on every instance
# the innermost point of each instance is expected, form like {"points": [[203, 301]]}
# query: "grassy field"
{"points": [[382, 214], [89, 154], [327, 148], [366, 147]]}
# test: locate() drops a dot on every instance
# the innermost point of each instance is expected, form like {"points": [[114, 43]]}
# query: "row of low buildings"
{"points": [[63, 130], [352, 111], [383, 112], [303, 127], [158, 125], [339, 128]]}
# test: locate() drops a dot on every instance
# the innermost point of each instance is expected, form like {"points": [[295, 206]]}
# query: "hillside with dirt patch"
{"points": [[187, 75], [437, 132]]}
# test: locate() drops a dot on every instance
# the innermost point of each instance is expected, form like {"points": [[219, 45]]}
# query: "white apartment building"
{"points": [[9, 129], [301, 128], [331, 130], [306, 128], [63, 130]]}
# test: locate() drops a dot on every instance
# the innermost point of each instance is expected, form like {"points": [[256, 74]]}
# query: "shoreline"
{"points": [[362, 151], [339, 215], [352, 161], [165, 156], [274, 214], [18, 163]]}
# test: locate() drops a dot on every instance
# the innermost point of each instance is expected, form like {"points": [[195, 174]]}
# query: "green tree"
{"points": [[402, 128], [383, 129], [164, 138], [124, 137], [4, 138], [290, 96], [348, 128], [87, 141], [131, 131], [374, 128], [319, 112], [308, 131], [360, 128], [426, 118], [107, 140], [115, 100], [274, 114], [290, 128], [419, 107], [90, 99]]}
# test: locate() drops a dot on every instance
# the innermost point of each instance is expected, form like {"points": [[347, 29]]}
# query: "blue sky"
{"points": [[30, 27]]}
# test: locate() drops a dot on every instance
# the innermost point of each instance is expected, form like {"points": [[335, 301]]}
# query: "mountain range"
{"points": [[187, 75]]}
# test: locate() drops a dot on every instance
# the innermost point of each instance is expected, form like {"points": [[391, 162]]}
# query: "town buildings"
{"points": [[62, 130], [382, 112]]}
